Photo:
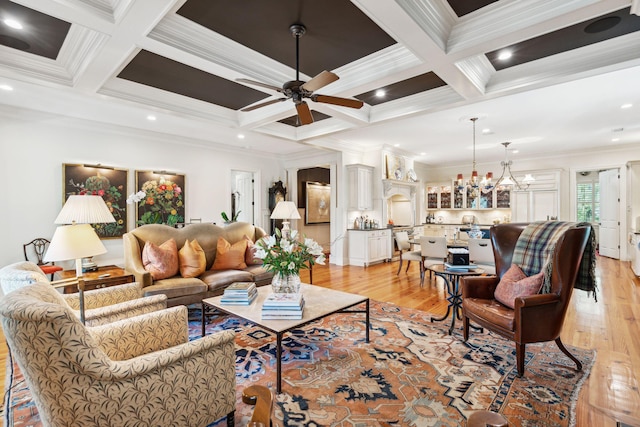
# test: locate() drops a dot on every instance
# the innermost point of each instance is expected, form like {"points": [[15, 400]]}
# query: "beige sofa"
{"points": [[181, 290]]}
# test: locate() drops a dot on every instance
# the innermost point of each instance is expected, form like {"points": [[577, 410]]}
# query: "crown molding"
{"points": [[435, 18]]}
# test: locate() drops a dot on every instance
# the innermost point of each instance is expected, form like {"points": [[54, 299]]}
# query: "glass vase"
{"points": [[285, 283]]}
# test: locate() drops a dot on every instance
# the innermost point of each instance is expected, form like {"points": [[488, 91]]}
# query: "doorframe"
{"points": [[573, 194], [257, 219]]}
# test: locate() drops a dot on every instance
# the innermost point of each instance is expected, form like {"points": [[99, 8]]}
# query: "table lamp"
{"points": [[285, 211], [79, 240]]}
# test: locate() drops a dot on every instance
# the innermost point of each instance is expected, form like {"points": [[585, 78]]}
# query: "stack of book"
{"points": [[239, 293], [462, 268], [283, 306]]}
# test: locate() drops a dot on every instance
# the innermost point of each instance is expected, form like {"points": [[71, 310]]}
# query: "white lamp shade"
{"points": [[285, 210], [74, 242], [86, 209]]}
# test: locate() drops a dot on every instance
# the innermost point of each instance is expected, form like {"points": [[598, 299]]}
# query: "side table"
{"points": [[454, 296], [103, 277]]}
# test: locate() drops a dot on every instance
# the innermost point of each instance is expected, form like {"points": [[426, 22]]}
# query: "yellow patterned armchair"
{"points": [[133, 372], [101, 305]]}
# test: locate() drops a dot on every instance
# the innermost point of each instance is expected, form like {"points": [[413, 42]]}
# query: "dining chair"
{"points": [[404, 246], [34, 251], [433, 250], [481, 254]]}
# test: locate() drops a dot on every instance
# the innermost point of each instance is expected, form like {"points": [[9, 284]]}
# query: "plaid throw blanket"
{"points": [[534, 249]]}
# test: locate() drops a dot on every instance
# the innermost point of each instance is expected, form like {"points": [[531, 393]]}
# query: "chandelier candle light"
{"points": [[474, 184], [509, 179]]}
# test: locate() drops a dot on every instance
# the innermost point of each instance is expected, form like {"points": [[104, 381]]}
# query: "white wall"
{"points": [[33, 147]]}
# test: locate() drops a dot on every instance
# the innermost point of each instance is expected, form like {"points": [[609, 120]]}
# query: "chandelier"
{"points": [[475, 185], [507, 178]]}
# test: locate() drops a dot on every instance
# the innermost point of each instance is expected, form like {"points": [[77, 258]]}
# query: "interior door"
{"points": [[609, 235], [243, 194]]}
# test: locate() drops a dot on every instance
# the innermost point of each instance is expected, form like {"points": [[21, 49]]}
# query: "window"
{"points": [[588, 202]]}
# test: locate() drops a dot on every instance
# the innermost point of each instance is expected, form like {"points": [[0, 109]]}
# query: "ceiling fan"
{"points": [[297, 89]]}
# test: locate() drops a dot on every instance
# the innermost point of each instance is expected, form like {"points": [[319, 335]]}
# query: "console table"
{"points": [[103, 277]]}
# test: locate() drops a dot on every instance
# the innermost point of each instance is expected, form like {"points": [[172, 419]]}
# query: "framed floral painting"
{"points": [[105, 181], [159, 198], [318, 203]]}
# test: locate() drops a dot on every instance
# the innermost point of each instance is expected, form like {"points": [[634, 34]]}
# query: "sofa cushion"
{"points": [[491, 311], [249, 257], [161, 260], [514, 283], [177, 286], [230, 256], [218, 280], [192, 259]]}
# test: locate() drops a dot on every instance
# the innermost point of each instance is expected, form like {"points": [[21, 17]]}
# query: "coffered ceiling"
{"points": [[573, 64]]}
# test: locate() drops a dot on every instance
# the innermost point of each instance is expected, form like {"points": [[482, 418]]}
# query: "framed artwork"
{"points": [[395, 167], [318, 203], [105, 181], [160, 198]]}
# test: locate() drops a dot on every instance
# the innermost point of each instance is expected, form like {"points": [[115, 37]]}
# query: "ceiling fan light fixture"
{"points": [[297, 90]]}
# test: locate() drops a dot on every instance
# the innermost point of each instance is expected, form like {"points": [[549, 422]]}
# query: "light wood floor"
{"points": [[610, 326]]}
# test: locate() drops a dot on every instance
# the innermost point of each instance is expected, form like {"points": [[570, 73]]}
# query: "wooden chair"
{"points": [[433, 251], [535, 318], [37, 247], [404, 246], [481, 254], [262, 398]]}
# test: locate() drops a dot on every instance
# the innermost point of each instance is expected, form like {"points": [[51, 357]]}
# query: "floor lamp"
{"points": [[79, 240], [285, 211]]}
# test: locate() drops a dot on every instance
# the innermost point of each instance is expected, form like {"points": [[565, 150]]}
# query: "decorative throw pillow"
{"points": [[516, 284], [249, 256], [193, 261], [230, 256], [161, 261]]}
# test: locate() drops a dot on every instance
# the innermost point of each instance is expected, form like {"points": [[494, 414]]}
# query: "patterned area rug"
{"points": [[410, 374]]}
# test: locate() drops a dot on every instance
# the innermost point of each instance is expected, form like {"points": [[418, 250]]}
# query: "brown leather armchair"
{"points": [[535, 318]]}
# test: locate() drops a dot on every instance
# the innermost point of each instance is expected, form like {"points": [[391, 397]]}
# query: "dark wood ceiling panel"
{"points": [[41, 35], [157, 71], [402, 88], [337, 31], [463, 7], [595, 30], [293, 120]]}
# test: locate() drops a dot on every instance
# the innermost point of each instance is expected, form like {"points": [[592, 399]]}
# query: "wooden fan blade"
{"points": [[263, 104], [321, 80], [345, 102], [304, 113], [253, 82]]}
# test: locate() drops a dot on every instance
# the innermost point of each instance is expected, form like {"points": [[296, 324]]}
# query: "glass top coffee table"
{"points": [[319, 302]]}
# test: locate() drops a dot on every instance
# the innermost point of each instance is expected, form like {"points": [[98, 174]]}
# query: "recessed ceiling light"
{"points": [[423, 154], [515, 151], [615, 139], [380, 93], [12, 23], [626, 106], [240, 136], [504, 55], [487, 130], [6, 87], [396, 145], [151, 118]]}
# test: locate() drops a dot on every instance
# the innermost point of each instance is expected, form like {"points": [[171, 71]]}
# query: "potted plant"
{"points": [[226, 219]]}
